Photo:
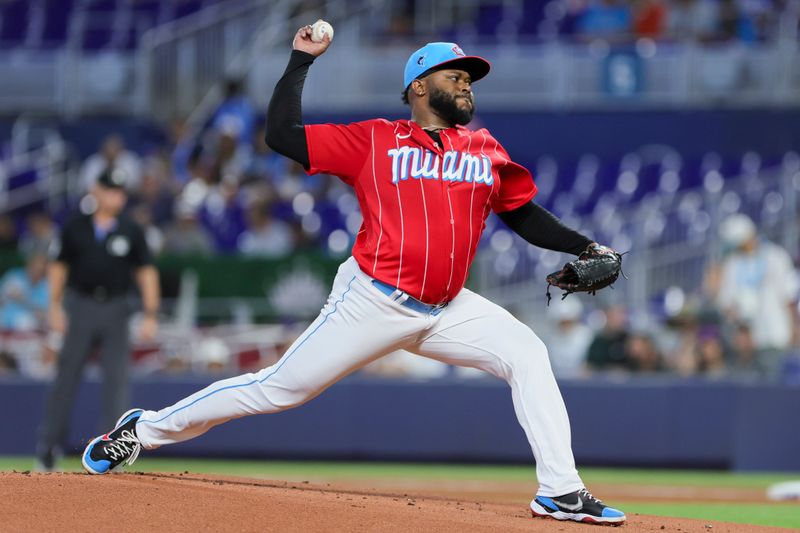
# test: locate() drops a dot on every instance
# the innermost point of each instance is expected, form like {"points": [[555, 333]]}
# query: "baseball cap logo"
{"points": [[458, 51], [421, 60]]}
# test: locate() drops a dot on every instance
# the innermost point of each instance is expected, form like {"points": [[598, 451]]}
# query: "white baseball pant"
{"points": [[359, 324]]}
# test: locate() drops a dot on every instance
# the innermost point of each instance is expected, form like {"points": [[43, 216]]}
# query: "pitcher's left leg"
{"points": [[472, 331]]}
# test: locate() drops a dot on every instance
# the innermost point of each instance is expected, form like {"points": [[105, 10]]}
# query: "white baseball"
{"points": [[320, 29]]}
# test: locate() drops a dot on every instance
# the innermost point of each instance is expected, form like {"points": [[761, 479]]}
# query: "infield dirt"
{"points": [[190, 502]]}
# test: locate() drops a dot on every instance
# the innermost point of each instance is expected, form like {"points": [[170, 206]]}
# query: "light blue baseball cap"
{"points": [[436, 56]]}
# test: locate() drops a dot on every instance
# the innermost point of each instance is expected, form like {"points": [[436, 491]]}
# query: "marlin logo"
{"points": [[421, 60]]}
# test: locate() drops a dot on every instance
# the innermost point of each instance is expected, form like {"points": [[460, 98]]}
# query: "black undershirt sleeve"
{"points": [[541, 228], [285, 132]]}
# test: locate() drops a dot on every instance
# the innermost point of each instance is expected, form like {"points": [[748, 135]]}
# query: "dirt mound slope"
{"points": [[192, 502]]}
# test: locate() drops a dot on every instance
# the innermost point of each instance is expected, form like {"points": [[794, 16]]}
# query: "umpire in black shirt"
{"points": [[100, 256]]}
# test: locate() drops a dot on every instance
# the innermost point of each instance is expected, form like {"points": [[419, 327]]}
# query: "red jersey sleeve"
{"points": [[339, 149], [516, 183]]}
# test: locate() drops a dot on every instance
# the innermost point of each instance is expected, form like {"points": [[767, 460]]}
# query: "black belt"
{"points": [[99, 294]]}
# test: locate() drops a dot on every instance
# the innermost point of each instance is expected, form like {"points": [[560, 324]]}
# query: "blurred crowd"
{"points": [[679, 20], [619, 21], [221, 192], [226, 192]]}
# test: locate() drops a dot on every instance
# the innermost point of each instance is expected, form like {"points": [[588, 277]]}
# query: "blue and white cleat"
{"points": [[118, 447], [579, 506]]}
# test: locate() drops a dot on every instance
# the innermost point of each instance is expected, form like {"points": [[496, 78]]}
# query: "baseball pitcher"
{"points": [[425, 187]]}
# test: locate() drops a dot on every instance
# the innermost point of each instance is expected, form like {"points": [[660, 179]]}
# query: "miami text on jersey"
{"points": [[410, 161]]}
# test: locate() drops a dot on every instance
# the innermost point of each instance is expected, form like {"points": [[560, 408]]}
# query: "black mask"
{"points": [[445, 105]]}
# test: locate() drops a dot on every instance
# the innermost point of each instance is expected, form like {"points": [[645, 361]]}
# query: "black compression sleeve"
{"points": [[285, 132], [541, 228]]}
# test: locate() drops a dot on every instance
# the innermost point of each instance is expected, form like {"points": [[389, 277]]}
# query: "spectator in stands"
{"points": [[265, 236], [649, 18], [24, 295], [641, 353], [692, 20], [8, 233], [567, 338], [8, 364], [200, 180], [183, 148], [212, 356], [222, 215], [112, 153], [680, 343], [264, 163], [235, 116], [766, 17], [759, 288], [743, 360], [185, 236], [607, 351], [710, 353], [230, 158], [155, 191], [39, 235], [175, 365], [731, 24], [295, 180], [142, 215], [607, 19], [303, 240]]}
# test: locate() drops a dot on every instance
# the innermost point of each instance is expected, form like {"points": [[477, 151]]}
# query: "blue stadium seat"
{"points": [[488, 19], [532, 16], [96, 38], [186, 7], [146, 13], [57, 16], [15, 15], [102, 5]]}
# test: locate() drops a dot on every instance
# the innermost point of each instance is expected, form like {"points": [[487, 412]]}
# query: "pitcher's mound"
{"points": [[190, 502]]}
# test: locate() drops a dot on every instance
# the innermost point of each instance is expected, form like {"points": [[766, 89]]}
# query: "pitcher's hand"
{"points": [[302, 41]]}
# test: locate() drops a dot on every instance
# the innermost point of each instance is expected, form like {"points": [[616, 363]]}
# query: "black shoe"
{"points": [[47, 458], [579, 506], [120, 446]]}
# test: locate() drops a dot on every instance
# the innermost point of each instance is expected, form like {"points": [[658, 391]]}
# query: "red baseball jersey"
{"points": [[424, 205]]}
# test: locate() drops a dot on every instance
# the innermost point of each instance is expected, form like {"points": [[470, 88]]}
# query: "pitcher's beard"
{"points": [[446, 106]]}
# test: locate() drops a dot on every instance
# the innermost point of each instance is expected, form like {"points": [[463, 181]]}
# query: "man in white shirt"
{"points": [[112, 153], [759, 289]]}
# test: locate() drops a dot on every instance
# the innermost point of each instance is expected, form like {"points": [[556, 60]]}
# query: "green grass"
{"points": [[777, 514], [684, 478], [784, 515]]}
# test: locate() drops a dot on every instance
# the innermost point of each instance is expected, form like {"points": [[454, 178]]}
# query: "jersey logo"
{"points": [[416, 163], [118, 246]]}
